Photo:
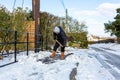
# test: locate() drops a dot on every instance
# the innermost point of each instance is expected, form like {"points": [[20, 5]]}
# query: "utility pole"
{"points": [[67, 29], [36, 9]]}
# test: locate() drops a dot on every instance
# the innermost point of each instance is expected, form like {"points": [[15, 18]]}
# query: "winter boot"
{"points": [[62, 55], [52, 54]]}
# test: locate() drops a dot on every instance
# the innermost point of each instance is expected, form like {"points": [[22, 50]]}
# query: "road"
{"points": [[111, 58]]}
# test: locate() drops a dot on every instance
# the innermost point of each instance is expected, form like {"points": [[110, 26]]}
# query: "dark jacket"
{"points": [[61, 37]]}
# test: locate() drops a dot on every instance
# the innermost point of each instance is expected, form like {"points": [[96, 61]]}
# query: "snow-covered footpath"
{"points": [[28, 68]]}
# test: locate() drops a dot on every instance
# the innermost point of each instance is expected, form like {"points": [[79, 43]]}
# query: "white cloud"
{"points": [[96, 18], [108, 9], [108, 6]]}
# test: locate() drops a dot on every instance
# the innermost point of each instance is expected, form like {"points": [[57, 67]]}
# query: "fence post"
{"points": [[15, 48], [46, 40], [42, 42], [27, 43]]}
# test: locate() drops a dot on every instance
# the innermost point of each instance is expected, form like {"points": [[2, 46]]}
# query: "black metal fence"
{"points": [[17, 42]]}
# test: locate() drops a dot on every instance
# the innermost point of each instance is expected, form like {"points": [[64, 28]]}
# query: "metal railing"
{"points": [[13, 42]]}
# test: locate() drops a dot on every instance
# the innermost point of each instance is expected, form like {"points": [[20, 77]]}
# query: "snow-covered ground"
{"points": [[88, 67], [110, 56], [110, 47]]}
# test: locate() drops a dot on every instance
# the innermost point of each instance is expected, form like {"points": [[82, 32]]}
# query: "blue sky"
{"points": [[93, 12]]}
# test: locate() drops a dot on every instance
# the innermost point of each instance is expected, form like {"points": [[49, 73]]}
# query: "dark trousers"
{"points": [[57, 45]]}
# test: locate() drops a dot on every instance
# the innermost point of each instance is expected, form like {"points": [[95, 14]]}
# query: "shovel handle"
{"points": [[59, 43]]}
